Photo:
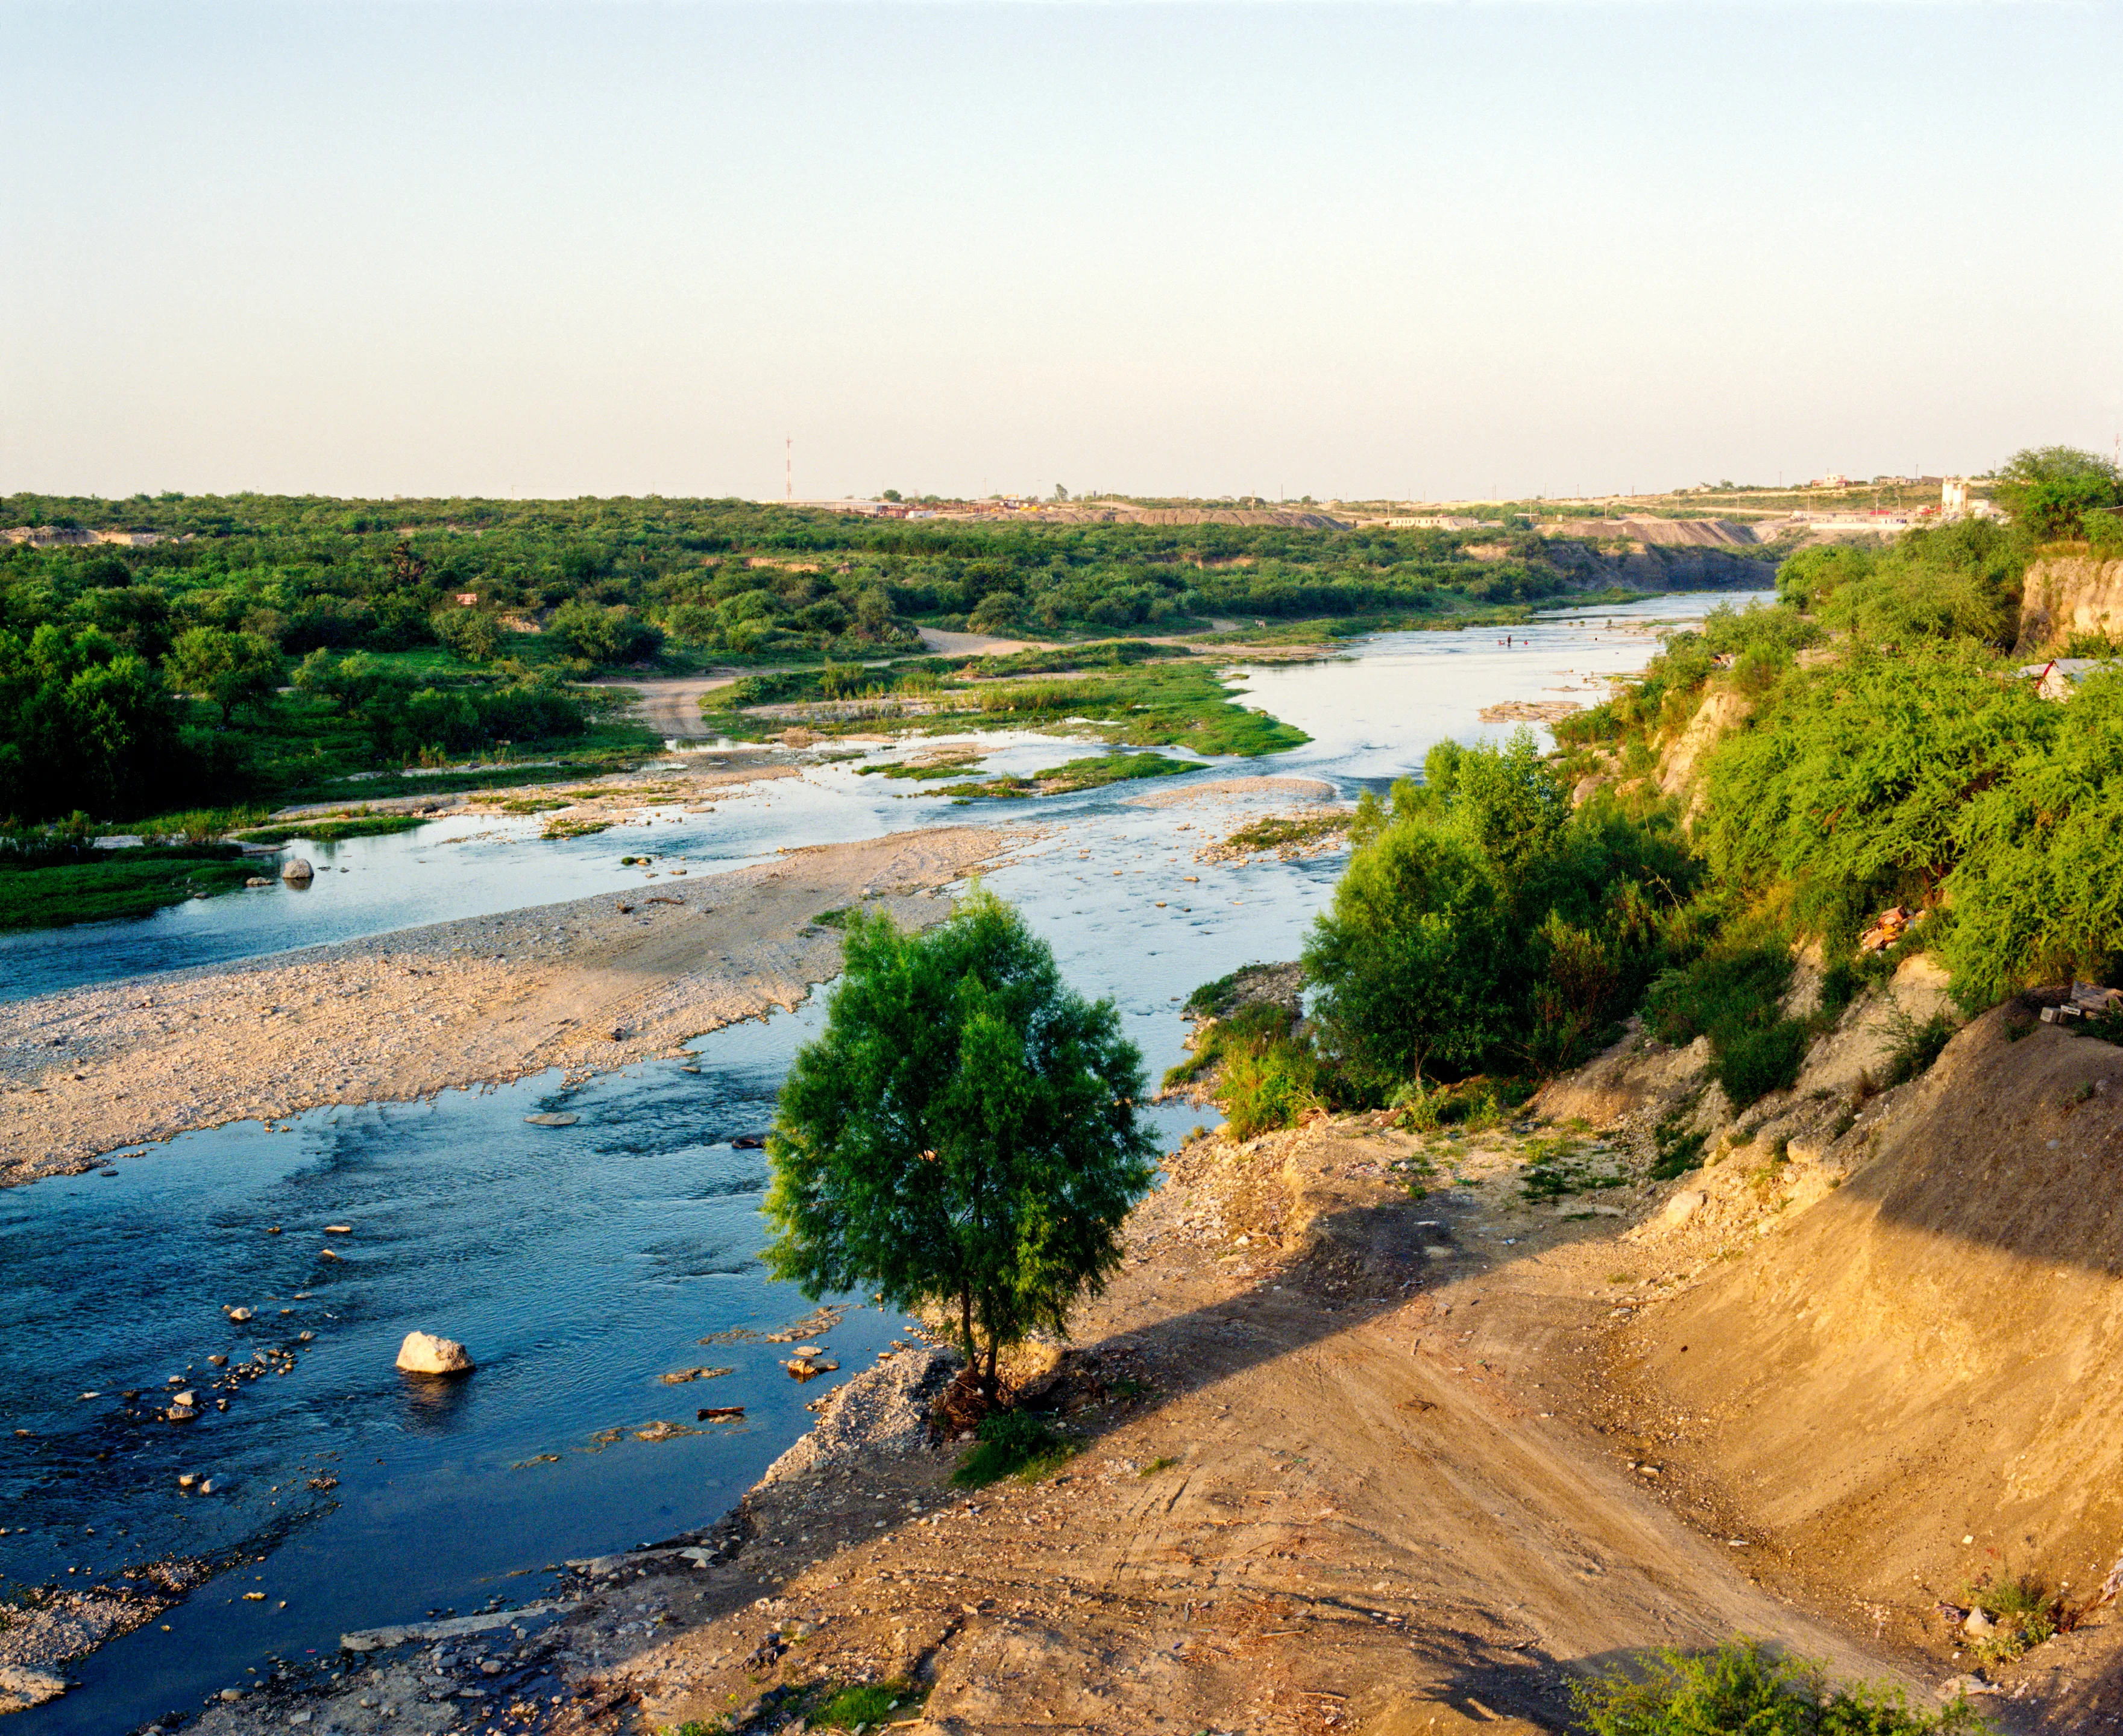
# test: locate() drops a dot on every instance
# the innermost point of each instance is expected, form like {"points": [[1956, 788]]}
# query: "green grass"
{"points": [[2024, 1614], [1742, 1688], [1284, 832], [191, 826], [1917, 1044], [1554, 1169], [1160, 702], [109, 884], [869, 1704], [1012, 1443], [938, 769], [334, 829], [1074, 775]]}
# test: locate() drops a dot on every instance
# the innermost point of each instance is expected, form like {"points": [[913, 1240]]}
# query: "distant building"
{"points": [[465, 599], [1834, 479], [1953, 494]]}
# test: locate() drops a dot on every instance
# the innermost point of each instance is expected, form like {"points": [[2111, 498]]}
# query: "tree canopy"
{"points": [[964, 1132]]}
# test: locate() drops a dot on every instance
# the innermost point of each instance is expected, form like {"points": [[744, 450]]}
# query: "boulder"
{"points": [[1685, 1205], [424, 1353], [22, 1688], [296, 870]]}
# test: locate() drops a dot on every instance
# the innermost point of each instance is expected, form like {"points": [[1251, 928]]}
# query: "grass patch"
{"points": [[1012, 1443], [871, 1703], [575, 828], [1743, 1689], [1157, 702], [523, 804], [1074, 775], [93, 886], [1555, 1168], [836, 918], [1288, 831], [1243, 986], [1156, 1465], [1111, 654], [1474, 1105], [192, 826], [336, 829], [1732, 995], [937, 769], [1269, 1077], [2022, 1615], [1916, 1044]]}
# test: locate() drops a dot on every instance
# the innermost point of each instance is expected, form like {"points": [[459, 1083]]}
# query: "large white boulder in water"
{"points": [[295, 869], [424, 1353]]}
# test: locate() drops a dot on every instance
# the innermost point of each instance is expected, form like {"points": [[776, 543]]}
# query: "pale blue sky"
{"points": [[424, 248]]}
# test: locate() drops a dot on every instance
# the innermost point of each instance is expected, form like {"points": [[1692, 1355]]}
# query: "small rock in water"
{"points": [[239, 1315], [187, 1479], [339, 1229], [554, 1117], [218, 1361], [423, 1352], [258, 879], [326, 1254]]}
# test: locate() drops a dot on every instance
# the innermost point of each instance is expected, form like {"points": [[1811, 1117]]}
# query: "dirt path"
{"points": [[593, 983], [671, 704], [1341, 1471], [976, 645]]}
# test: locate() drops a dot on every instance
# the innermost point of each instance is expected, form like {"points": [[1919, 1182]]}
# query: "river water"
{"points": [[581, 1264]]}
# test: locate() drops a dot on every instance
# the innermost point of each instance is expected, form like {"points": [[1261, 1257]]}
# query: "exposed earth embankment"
{"points": [[1336, 1474]]}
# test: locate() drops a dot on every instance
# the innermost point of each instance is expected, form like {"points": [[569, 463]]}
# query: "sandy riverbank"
{"points": [[593, 983]]}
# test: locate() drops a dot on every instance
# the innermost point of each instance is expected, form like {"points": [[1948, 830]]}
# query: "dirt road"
{"points": [[671, 704]]}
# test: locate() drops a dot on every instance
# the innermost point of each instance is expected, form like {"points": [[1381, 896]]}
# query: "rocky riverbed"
{"points": [[594, 983]]}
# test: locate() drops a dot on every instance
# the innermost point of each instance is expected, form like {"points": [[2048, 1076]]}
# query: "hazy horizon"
{"points": [[1422, 251]]}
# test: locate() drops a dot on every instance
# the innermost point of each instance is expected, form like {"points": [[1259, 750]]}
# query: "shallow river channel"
{"points": [[582, 1264]]}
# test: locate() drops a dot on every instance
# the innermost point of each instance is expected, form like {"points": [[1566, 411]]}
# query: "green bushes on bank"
{"points": [[1743, 1688]]}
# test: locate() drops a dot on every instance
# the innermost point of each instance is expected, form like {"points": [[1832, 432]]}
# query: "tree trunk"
{"points": [[966, 1325]]}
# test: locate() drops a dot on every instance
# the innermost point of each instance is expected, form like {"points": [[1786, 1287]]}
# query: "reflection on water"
{"points": [[579, 1263]]}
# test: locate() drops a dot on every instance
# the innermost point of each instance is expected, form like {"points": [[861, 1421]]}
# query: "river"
{"points": [[582, 1264]]}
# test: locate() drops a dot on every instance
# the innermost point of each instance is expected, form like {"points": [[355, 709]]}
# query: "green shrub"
{"points": [[2023, 1615], [1720, 994], [1268, 1086], [2035, 892], [1858, 793], [1743, 1689], [1764, 1058], [1217, 1042], [1917, 1044], [1012, 1443]]}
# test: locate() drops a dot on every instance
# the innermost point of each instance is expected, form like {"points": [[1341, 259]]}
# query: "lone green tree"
{"points": [[232, 670], [964, 1132]]}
